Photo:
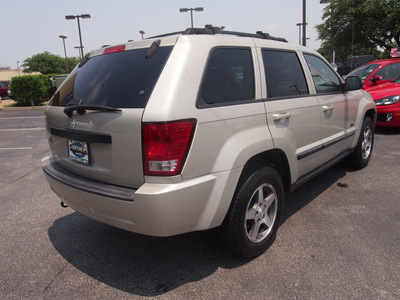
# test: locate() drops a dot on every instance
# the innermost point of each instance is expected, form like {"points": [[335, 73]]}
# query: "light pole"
{"points": [[84, 16], [63, 37], [304, 23], [80, 51], [191, 12], [142, 33], [300, 24], [18, 67]]}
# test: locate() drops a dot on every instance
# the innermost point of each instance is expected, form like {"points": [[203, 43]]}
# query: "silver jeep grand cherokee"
{"points": [[201, 129]]}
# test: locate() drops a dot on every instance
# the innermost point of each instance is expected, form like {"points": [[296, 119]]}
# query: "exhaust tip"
{"points": [[63, 204]]}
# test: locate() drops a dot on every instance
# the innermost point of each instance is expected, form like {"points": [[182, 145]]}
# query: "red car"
{"points": [[378, 72], [4, 86], [387, 99]]}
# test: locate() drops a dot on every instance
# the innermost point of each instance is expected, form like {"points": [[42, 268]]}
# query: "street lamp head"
{"points": [[141, 32], [191, 12], [62, 36], [84, 16]]}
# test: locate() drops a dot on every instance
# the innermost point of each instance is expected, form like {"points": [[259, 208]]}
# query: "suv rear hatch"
{"points": [[94, 118]]}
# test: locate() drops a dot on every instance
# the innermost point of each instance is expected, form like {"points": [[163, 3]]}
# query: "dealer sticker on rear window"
{"points": [[78, 151]]}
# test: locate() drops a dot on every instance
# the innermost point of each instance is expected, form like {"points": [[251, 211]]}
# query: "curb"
{"points": [[22, 108], [8, 101]]}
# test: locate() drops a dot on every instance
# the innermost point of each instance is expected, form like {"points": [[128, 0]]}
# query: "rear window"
{"points": [[122, 79]]}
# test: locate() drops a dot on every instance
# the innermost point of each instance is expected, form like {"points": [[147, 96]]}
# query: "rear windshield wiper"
{"points": [[81, 109], [153, 49]]}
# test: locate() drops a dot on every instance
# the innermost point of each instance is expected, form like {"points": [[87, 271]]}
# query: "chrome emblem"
{"points": [[70, 123]]}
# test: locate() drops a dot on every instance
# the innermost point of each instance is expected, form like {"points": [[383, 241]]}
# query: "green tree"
{"points": [[31, 89], [357, 27], [72, 62], [48, 63]]}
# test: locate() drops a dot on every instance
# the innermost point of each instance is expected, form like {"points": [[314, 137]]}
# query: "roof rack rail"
{"points": [[209, 29]]}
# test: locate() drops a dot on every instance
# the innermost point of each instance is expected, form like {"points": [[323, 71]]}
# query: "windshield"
{"points": [[122, 79], [364, 71]]}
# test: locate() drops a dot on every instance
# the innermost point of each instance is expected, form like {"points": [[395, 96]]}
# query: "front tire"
{"points": [[254, 216], [363, 151]]}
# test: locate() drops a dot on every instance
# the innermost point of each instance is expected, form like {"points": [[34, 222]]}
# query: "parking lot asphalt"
{"points": [[340, 238]]}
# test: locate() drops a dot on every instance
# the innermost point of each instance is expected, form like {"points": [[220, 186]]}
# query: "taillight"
{"points": [[166, 145]]}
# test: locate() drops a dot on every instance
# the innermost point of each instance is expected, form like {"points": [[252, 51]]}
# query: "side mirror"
{"points": [[376, 79], [353, 83]]}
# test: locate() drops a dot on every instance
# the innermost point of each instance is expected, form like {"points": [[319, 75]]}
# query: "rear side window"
{"points": [[228, 77], [284, 74], [122, 79], [324, 77]]}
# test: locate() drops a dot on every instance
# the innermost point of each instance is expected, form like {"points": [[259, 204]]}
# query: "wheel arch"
{"points": [[372, 114], [275, 159]]}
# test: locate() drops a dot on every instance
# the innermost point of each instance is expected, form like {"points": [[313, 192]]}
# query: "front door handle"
{"points": [[281, 117], [327, 108]]}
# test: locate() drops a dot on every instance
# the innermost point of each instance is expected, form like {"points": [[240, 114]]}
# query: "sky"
{"points": [[34, 26]]}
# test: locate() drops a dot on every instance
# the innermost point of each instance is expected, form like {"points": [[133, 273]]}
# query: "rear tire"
{"points": [[254, 216], [363, 151]]}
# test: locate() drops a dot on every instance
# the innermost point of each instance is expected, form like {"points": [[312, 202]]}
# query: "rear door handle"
{"points": [[327, 108], [281, 117]]}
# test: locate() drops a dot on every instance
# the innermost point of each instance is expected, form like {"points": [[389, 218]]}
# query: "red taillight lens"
{"points": [[166, 145], [114, 49]]}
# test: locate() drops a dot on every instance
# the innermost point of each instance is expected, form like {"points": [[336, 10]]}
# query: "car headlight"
{"points": [[388, 100]]}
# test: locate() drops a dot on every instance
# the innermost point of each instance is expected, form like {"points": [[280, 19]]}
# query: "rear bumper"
{"points": [[153, 209]]}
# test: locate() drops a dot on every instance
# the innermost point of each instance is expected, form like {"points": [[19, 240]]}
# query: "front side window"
{"points": [[324, 77], [284, 74], [228, 77], [389, 72], [364, 71]]}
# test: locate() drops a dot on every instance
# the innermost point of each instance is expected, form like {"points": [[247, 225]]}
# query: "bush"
{"points": [[31, 89]]}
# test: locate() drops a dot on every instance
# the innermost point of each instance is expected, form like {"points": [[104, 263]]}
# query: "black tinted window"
{"points": [[284, 74], [228, 77], [324, 77], [122, 79]]}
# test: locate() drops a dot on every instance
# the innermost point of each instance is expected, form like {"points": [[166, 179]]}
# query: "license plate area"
{"points": [[78, 151]]}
